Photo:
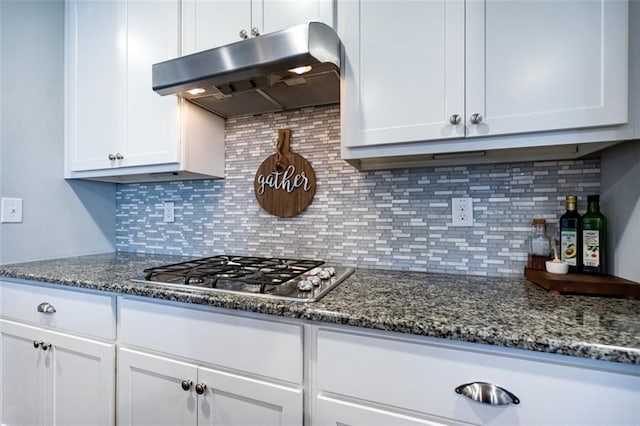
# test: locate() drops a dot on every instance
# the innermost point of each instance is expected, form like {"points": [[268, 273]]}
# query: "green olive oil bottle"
{"points": [[594, 238], [571, 235]]}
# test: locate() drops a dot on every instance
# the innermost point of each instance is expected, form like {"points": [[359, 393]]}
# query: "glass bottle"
{"points": [[539, 245], [571, 235], [594, 238]]}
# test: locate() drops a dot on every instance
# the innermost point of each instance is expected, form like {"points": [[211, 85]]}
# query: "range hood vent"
{"points": [[256, 75]]}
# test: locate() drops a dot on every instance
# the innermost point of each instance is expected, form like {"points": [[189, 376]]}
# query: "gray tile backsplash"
{"points": [[398, 219]]}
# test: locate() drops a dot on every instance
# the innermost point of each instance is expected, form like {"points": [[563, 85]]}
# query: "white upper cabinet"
{"points": [[96, 81], [427, 77], [401, 82], [535, 66], [209, 24], [117, 128], [152, 36]]}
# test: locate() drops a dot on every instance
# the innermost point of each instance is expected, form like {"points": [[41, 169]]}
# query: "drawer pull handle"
{"points": [[487, 393], [46, 308]]}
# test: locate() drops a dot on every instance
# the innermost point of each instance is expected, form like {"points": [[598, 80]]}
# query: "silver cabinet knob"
{"points": [[119, 156], [487, 393], [244, 35], [200, 388], [186, 385], [475, 118], [46, 308], [112, 157], [455, 119], [255, 32], [41, 345]]}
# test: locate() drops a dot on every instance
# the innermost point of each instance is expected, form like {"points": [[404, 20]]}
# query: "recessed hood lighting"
{"points": [[301, 70], [196, 91]]}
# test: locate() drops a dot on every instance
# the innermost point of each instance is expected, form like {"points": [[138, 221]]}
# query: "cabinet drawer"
{"points": [[262, 347], [75, 311], [417, 376]]}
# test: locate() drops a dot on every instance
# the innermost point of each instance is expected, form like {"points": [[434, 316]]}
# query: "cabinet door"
{"points": [[22, 378], [329, 411], [208, 24], [81, 381], [403, 71], [152, 120], [63, 380], [150, 390], [236, 400], [274, 15], [96, 73], [535, 65]]}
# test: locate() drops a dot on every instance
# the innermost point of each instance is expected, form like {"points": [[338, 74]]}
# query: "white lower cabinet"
{"points": [[51, 378], [368, 378], [162, 391], [57, 356], [206, 367]]}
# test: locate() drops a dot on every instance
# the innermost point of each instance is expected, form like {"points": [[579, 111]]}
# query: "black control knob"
{"points": [[200, 388], [186, 385]]}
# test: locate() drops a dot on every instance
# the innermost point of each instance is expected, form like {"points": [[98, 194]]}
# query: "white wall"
{"points": [[61, 218], [620, 202]]}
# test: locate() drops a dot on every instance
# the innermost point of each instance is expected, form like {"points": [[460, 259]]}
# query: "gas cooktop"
{"points": [[299, 280]]}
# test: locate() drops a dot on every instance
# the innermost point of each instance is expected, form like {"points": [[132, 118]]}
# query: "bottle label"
{"points": [[591, 248], [569, 246]]}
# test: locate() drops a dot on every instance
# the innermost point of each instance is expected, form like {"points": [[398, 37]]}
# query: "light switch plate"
{"points": [[11, 210]]}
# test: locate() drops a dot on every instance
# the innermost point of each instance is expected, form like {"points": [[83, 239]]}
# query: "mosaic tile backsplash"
{"points": [[396, 219]]}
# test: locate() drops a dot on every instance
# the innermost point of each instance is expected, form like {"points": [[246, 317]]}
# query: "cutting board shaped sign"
{"points": [[285, 182]]}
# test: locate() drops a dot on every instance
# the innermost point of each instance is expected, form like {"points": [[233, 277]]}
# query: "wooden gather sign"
{"points": [[285, 182]]}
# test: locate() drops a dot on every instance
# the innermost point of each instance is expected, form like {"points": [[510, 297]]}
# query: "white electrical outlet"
{"points": [[462, 211], [11, 210], [169, 213]]}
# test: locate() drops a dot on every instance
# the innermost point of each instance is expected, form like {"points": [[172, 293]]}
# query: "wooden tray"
{"points": [[593, 285]]}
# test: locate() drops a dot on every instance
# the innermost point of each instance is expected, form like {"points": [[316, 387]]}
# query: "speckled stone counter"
{"points": [[497, 311]]}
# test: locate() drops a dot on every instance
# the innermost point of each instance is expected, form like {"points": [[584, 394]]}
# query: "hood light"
{"points": [[301, 70], [196, 91]]}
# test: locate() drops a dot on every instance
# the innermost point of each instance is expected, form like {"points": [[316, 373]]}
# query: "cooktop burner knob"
{"points": [[305, 285], [315, 280], [324, 274]]}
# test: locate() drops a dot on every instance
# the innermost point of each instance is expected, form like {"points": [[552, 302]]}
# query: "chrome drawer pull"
{"points": [[486, 393], [46, 308]]}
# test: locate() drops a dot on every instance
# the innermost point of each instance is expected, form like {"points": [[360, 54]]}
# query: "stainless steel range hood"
{"points": [[260, 74]]}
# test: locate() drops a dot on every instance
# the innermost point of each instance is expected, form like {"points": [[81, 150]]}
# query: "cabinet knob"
{"points": [[186, 384], [112, 157], [475, 118], [255, 32], [200, 388], [455, 119], [487, 393], [244, 35], [119, 156], [36, 344], [45, 346], [46, 308]]}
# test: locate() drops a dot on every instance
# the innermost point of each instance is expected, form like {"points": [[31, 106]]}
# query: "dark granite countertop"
{"points": [[496, 311]]}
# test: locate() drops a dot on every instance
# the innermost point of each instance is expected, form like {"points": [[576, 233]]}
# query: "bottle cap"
{"points": [[572, 198], [539, 221], [593, 198]]}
